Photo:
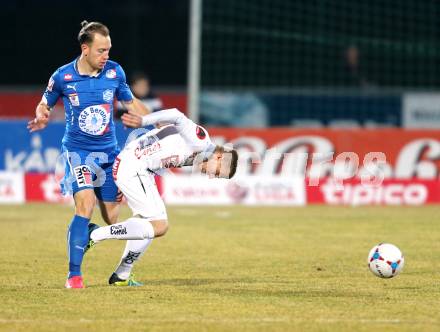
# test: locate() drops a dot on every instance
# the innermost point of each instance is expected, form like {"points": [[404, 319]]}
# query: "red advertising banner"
{"points": [[408, 153], [345, 167], [389, 192], [298, 167], [44, 188]]}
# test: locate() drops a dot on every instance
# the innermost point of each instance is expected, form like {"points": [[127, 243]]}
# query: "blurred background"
{"points": [[287, 76]]}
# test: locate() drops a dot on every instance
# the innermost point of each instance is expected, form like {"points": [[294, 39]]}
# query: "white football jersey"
{"points": [[174, 145]]}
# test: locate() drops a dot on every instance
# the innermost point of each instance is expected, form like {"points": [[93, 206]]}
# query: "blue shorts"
{"points": [[89, 170]]}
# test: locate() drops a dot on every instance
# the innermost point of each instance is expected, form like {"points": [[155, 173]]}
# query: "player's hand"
{"points": [[119, 196], [131, 120], [41, 119]]}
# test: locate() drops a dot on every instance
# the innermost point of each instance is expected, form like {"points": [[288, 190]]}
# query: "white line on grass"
{"points": [[226, 320]]}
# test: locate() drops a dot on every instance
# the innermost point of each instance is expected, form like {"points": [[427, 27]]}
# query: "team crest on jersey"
{"points": [[83, 176], [74, 99], [107, 95], [111, 73], [94, 120], [67, 77]]}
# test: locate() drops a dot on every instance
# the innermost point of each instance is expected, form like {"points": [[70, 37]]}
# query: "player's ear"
{"points": [[85, 49]]}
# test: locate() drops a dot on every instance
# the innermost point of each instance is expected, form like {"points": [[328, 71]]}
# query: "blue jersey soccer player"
{"points": [[88, 86]]}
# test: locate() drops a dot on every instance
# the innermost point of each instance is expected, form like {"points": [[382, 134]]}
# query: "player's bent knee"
{"points": [[160, 227], [109, 212], [84, 210], [109, 219], [85, 206]]}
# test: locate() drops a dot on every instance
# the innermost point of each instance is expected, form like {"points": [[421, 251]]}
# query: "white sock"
{"points": [[133, 251], [131, 229]]}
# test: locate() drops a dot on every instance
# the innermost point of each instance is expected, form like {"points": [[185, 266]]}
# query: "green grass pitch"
{"points": [[227, 269]]}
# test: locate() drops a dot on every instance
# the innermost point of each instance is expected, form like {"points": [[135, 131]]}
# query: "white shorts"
{"points": [[139, 188]]}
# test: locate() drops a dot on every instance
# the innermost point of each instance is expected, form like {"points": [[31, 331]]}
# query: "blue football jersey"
{"points": [[88, 103]]}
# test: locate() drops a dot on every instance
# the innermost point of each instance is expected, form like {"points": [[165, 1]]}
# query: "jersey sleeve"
{"points": [[53, 90], [123, 92], [194, 135]]}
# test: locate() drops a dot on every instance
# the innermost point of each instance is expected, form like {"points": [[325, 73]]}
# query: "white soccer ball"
{"points": [[385, 260]]}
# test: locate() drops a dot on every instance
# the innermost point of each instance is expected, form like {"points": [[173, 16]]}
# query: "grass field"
{"points": [[227, 269]]}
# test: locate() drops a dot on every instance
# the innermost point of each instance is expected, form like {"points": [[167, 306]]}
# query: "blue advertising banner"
{"points": [[36, 152]]}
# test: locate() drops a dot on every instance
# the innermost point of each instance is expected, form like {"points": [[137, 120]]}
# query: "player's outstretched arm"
{"points": [[137, 107], [41, 120], [167, 116], [131, 119]]}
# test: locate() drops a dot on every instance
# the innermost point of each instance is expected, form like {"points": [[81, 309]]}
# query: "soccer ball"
{"points": [[385, 260]]}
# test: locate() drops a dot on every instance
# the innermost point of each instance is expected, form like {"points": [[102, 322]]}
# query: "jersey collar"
{"points": [[75, 66]]}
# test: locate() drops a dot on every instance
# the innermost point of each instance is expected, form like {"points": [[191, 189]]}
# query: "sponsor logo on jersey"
{"points": [[67, 77], [139, 152], [111, 73], [74, 99], [118, 230], [83, 176], [107, 95], [50, 84], [94, 120], [71, 86]]}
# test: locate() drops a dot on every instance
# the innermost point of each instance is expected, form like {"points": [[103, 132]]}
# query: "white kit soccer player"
{"points": [[181, 143], [170, 146]]}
